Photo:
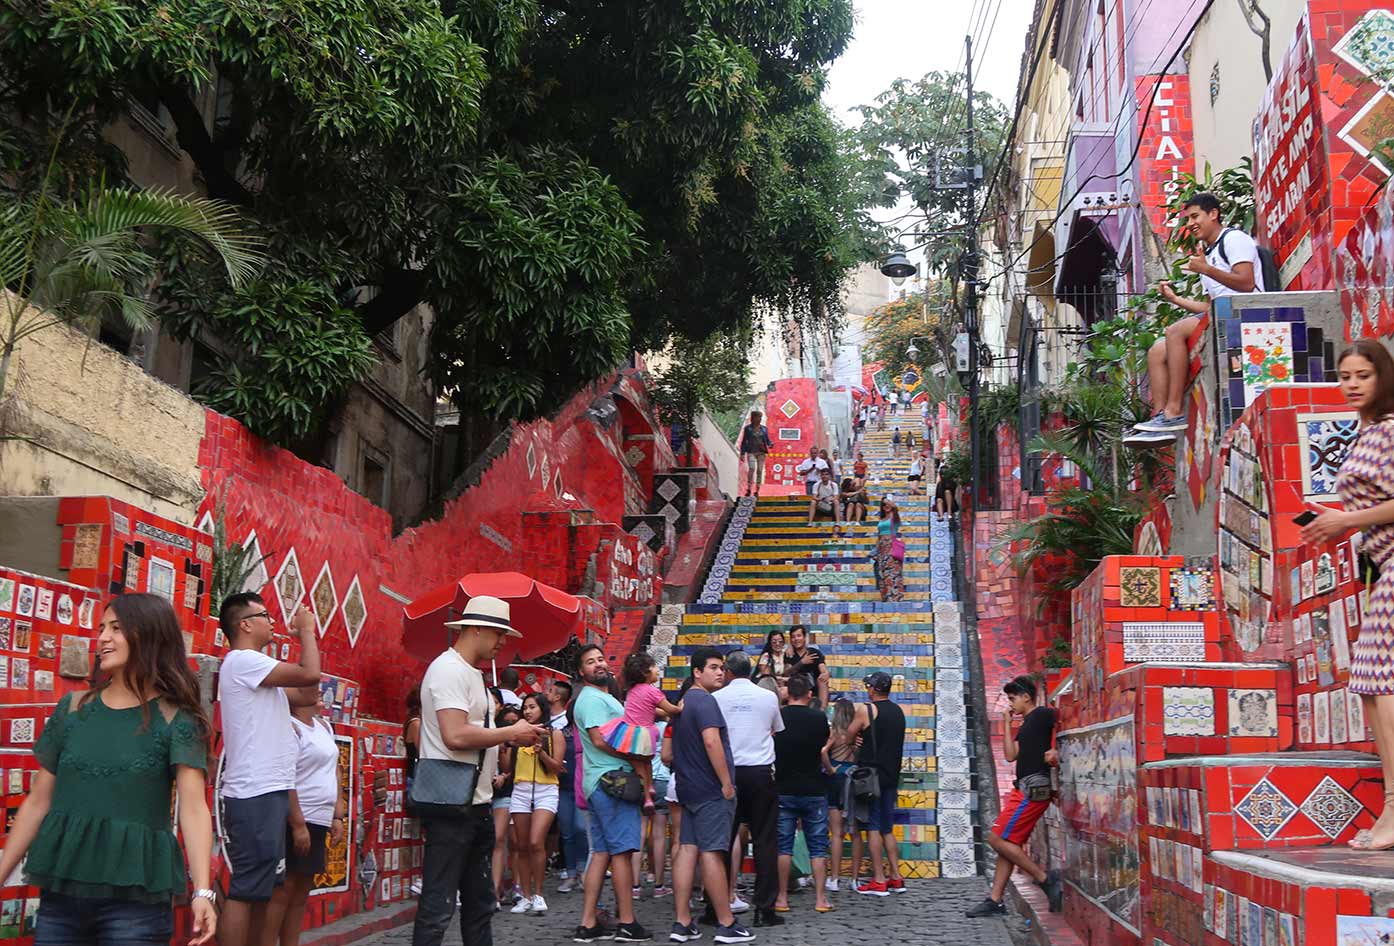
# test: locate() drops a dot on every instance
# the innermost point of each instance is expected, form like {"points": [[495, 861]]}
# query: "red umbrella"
{"points": [[546, 617]]}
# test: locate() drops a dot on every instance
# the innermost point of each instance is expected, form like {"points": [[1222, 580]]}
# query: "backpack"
{"points": [[761, 438], [1268, 263]]}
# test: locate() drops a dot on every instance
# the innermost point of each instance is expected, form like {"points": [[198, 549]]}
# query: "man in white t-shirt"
{"points": [[752, 718], [456, 726], [1229, 265], [823, 500], [809, 468], [259, 755]]}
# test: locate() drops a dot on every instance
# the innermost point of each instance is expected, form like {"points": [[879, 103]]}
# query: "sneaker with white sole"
{"points": [[1163, 423], [568, 884], [539, 905], [830, 885], [682, 934], [735, 933], [522, 906], [1151, 438], [739, 906]]}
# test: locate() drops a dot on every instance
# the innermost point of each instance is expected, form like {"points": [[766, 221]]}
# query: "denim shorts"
{"points": [[881, 813], [90, 921], [616, 827], [812, 810], [660, 795], [707, 824]]}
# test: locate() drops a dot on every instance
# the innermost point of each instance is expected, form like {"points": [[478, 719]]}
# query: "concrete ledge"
{"points": [[360, 926], [1043, 927]]}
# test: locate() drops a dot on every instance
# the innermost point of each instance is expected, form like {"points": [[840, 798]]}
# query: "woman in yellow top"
{"points": [[534, 805]]}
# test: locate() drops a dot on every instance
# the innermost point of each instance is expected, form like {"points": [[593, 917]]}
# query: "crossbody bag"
{"points": [[866, 779], [444, 788]]}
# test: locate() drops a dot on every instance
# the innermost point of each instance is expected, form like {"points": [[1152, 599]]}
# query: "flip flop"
{"points": [[827, 909], [779, 909]]}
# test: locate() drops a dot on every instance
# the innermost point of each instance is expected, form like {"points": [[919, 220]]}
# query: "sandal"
{"points": [[825, 909]]}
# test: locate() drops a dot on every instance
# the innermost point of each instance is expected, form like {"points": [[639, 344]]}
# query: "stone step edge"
{"points": [[1308, 877], [1329, 758]]}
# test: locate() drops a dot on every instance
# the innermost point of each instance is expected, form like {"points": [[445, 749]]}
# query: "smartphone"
{"points": [[1304, 517]]}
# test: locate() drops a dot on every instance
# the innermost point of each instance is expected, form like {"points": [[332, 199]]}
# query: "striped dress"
{"points": [[1366, 480]]}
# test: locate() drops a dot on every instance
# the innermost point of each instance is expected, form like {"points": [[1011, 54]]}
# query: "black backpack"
{"points": [[1268, 263]]}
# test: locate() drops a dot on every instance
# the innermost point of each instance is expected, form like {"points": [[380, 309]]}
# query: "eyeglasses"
{"points": [[260, 614]]}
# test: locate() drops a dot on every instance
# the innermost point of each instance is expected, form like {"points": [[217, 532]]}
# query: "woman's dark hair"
{"points": [[895, 510], [756, 417], [503, 712], [541, 707], [1376, 354], [847, 484], [769, 641], [636, 669], [686, 685], [414, 701], [158, 664]]}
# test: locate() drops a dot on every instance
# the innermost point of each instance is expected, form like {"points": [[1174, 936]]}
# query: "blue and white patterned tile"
{"points": [[1266, 809]]}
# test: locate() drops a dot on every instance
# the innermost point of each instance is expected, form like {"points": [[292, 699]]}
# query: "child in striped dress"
{"points": [[636, 733]]}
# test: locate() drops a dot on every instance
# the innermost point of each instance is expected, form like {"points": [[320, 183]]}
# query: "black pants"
{"points": [[757, 804], [456, 859]]}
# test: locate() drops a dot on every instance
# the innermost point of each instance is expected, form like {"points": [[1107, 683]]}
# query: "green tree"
{"points": [[79, 260], [913, 140], [560, 182], [891, 328], [712, 375]]}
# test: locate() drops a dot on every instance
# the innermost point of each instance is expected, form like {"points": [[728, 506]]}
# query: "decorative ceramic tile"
{"points": [[21, 731], [1338, 718], [1221, 916], [1325, 579], [1265, 809], [789, 408], [355, 611], [1175, 641], [955, 827], [324, 600], [957, 860], [290, 587], [1369, 45], [1267, 356], [1140, 587], [1355, 717], [1192, 589], [1324, 440], [1353, 930], [1307, 572], [1253, 712], [1321, 717], [1188, 711]]}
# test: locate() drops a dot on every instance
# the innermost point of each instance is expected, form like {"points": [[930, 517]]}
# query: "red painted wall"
{"points": [[795, 423]]}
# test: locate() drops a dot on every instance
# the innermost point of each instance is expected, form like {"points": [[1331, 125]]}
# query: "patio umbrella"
{"points": [[546, 617]]}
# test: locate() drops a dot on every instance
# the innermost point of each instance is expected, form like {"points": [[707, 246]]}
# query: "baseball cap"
{"points": [[880, 681]]}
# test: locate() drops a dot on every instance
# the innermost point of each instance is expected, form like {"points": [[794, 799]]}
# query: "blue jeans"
{"points": [[812, 810], [571, 828], [70, 921]]}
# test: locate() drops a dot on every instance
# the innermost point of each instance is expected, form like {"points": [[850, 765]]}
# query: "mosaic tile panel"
{"points": [[1267, 356], [670, 494], [1192, 589], [1140, 587], [1324, 440], [1188, 711], [1177, 641], [1253, 713], [1265, 809]]}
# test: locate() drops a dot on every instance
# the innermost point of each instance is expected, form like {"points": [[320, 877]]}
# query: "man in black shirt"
{"points": [[803, 797], [808, 661], [881, 726], [1027, 801]]}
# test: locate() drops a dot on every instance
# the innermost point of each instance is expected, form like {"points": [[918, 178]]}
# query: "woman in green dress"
{"points": [[96, 826]]}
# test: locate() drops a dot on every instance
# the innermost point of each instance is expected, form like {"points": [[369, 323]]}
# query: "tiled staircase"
{"points": [[773, 571]]}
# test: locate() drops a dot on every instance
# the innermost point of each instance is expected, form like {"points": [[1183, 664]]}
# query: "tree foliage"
{"points": [[712, 375], [891, 328], [914, 139], [558, 181]]}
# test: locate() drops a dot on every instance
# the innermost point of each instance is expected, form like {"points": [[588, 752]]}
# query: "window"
{"points": [[374, 479]]}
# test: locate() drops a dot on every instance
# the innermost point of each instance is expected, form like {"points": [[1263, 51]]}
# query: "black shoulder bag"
{"points": [[866, 779]]}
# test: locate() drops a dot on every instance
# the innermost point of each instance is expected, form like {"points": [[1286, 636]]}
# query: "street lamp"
{"points": [[898, 267]]}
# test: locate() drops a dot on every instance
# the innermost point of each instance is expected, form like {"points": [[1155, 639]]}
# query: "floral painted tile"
{"points": [[1140, 587], [1253, 713], [1369, 44], [1267, 356], [1324, 439]]}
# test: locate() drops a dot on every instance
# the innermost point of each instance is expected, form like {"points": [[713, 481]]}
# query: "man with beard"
{"points": [[616, 825], [808, 661]]}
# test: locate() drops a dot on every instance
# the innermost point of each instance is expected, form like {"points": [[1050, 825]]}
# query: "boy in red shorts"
{"points": [[1029, 798]]}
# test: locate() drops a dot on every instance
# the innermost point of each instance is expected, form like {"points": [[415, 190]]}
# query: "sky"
{"points": [[907, 38]]}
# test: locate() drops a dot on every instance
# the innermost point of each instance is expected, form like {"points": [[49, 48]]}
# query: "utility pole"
{"points": [[969, 270]]}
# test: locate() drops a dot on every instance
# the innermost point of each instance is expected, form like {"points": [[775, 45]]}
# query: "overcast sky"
{"points": [[906, 38]]}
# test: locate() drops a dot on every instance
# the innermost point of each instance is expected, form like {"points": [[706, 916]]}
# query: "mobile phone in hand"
{"points": [[1305, 517]]}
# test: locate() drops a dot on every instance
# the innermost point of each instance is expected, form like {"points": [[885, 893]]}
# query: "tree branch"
{"points": [[399, 291], [192, 135]]}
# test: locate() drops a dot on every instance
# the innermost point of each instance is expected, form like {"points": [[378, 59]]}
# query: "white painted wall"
{"points": [[722, 454]]}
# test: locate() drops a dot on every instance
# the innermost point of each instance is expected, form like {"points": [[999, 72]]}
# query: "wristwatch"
{"points": [[205, 893]]}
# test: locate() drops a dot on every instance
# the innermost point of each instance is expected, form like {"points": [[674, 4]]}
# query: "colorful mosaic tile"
{"points": [[1140, 586], [1265, 809], [1188, 711], [1192, 589], [1267, 356], [1180, 641], [1324, 440], [1253, 712], [1369, 45]]}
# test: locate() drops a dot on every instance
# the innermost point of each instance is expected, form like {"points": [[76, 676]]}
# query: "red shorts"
{"points": [[1018, 818]]}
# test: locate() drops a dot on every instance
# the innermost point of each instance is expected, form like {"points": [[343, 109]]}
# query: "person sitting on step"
{"points": [[824, 500]]}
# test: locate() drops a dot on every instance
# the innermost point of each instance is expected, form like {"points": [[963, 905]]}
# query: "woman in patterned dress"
{"points": [[889, 569], [1366, 488]]}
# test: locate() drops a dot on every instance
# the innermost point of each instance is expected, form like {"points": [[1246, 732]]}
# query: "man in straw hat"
{"points": [[456, 725]]}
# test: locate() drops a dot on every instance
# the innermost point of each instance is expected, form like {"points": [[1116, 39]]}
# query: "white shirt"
{"points": [[559, 721], [510, 698], [825, 492], [752, 719], [1240, 248], [915, 468], [810, 467], [316, 771], [259, 747], [451, 683]]}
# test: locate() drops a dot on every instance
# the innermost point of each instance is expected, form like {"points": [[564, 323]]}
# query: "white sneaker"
{"points": [[830, 885], [739, 906], [522, 906], [539, 905]]}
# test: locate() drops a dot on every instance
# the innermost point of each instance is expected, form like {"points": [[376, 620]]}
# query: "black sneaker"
{"points": [[681, 934], [989, 907], [632, 933], [589, 934], [735, 933], [1054, 890]]}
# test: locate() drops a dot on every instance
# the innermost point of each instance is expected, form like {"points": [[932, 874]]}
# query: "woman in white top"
{"points": [[318, 816], [916, 477]]}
